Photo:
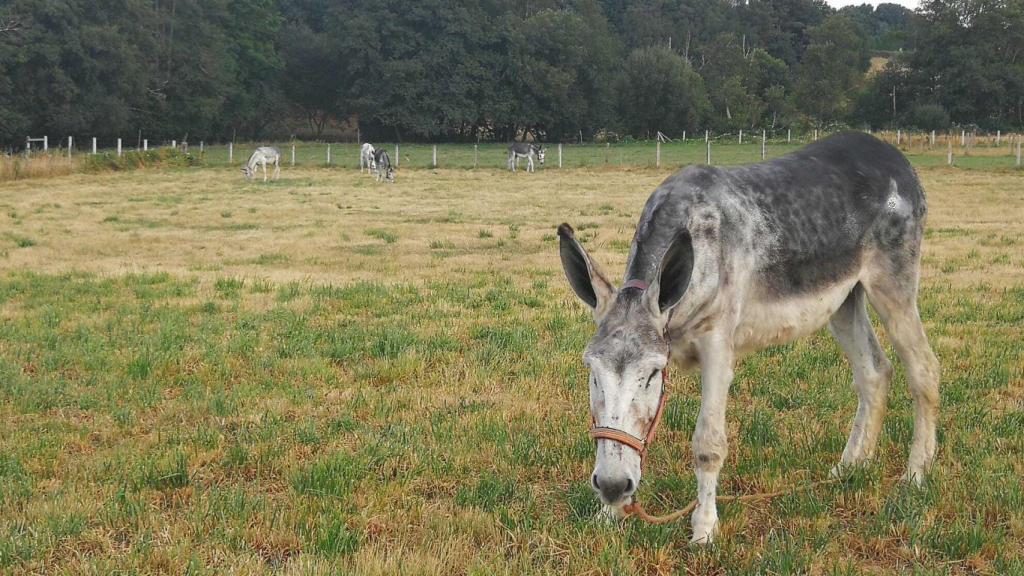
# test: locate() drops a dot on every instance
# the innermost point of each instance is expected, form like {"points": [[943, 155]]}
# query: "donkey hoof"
{"points": [[914, 476], [704, 537]]}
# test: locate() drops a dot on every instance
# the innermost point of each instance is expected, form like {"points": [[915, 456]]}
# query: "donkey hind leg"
{"points": [[277, 169], [895, 300], [872, 372]]}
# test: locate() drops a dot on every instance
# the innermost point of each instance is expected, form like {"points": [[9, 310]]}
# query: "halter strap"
{"points": [[638, 284], [623, 437]]}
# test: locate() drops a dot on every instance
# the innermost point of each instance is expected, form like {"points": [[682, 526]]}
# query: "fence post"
{"points": [[94, 145], [607, 151], [69, 146], [949, 152], [657, 154], [231, 152], [899, 136], [328, 153], [118, 147], [741, 136], [46, 143], [174, 144], [963, 138], [684, 135], [933, 139], [293, 154], [145, 144], [764, 134], [815, 134], [1018, 151], [396, 156], [559, 154], [709, 152], [434, 158], [789, 135], [706, 137], [202, 147], [476, 155]]}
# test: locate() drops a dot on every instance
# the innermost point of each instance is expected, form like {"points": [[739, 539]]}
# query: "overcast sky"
{"points": [[912, 4]]}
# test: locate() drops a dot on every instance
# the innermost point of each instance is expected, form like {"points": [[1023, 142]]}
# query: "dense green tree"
{"points": [[833, 66], [659, 91]]}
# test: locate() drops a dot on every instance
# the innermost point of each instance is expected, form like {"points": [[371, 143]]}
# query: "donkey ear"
{"points": [[586, 279], [673, 275]]}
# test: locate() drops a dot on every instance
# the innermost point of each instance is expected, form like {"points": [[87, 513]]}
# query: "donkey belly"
{"points": [[770, 321]]}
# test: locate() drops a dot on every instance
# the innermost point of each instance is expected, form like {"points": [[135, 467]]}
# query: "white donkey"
{"points": [[726, 261], [519, 150], [367, 158], [261, 157]]}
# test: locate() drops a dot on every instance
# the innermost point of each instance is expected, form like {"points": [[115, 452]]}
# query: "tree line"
{"points": [[558, 70]]}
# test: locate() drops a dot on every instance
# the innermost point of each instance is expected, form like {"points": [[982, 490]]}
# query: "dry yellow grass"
{"points": [[325, 225]]}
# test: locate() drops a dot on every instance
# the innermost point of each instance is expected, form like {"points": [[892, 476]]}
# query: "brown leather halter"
{"points": [[623, 437]]}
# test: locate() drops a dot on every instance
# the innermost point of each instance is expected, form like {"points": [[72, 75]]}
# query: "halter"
{"points": [[623, 437]]}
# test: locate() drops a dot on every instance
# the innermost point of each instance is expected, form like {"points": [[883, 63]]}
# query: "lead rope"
{"points": [[637, 509]]}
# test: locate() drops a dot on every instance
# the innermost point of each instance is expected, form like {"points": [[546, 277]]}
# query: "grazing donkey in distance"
{"points": [[261, 157], [726, 261], [519, 150], [385, 171], [366, 158]]}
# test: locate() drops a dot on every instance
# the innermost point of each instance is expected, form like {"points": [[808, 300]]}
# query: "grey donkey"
{"points": [[727, 261], [518, 150]]}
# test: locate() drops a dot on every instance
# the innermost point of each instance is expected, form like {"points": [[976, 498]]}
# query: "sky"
{"points": [[912, 4]]}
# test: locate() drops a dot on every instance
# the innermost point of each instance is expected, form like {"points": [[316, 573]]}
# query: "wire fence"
{"points": [[961, 148]]}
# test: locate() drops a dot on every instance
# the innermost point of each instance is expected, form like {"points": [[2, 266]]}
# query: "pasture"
{"points": [[327, 375]]}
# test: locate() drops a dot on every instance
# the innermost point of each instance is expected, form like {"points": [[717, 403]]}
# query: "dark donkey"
{"points": [[726, 261]]}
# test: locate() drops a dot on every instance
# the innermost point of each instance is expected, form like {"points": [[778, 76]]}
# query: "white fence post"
{"points": [[559, 154], [434, 158], [899, 136], [118, 147], [684, 135], [476, 156], [174, 144], [69, 146], [202, 147], [657, 154], [706, 137], [789, 135], [396, 156], [764, 139], [933, 139], [231, 152], [328, 153], [741, 136], [815, 134], [949, 152], [1018, 151], [94, 145], [145, 144], [709, 152], [293, 154], [963, 138], [46, 143]]}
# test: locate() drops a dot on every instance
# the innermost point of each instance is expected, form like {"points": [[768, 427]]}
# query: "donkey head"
{"points": [[248, 172], [626, 356], [540, 151]]}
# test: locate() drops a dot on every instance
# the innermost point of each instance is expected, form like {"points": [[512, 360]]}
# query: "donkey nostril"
{"points": [[629, 486], [593, 480]]}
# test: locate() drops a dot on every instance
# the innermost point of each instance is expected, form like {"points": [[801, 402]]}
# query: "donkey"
{"points": [[261, 157], [366, 158], [385, 171], [726, 261], [518, 150]]}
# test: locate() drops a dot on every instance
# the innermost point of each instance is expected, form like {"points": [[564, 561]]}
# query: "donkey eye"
{"points": [[651, 378]]}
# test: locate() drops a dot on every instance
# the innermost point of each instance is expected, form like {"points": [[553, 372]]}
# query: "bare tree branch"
{"points": [[9, 24]]}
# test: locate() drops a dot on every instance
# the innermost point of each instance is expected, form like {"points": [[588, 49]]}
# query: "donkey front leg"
{"points": [[710, 446]]}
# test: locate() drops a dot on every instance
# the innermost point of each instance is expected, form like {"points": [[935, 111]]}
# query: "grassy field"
{"points": [[326, 375]]}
